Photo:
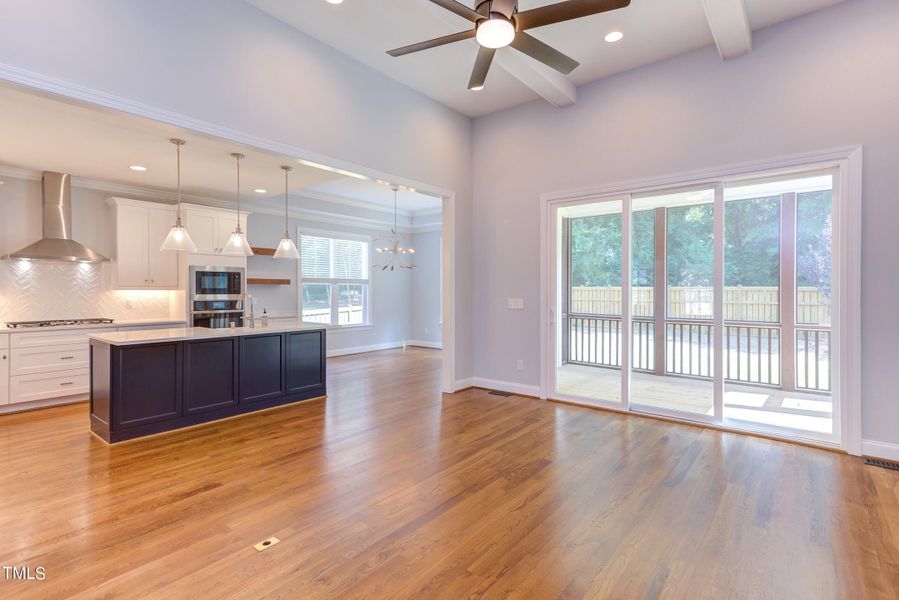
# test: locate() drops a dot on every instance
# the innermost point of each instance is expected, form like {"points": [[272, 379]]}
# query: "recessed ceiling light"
{"points": [[614, 36], [137, 168], [260, 191], [334, 1]]}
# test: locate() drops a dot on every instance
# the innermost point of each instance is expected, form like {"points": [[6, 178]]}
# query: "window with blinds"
{"points": [[334, 280]]}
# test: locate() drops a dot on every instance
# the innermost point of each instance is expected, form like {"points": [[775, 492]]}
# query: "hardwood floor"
{"points": [[389, 489]]}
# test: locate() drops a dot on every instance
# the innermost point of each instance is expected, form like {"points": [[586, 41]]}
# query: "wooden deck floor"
{"points": [[390, 489], [811, 414]]}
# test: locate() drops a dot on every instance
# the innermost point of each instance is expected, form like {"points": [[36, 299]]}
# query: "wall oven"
{"points": [[216, 295]]}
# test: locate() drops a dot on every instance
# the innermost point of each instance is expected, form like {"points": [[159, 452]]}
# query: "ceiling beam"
{"points": [[730, 27], [543, 81]]}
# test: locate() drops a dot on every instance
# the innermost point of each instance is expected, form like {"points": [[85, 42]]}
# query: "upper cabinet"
{"points": [[210, 228], [141, 227]]}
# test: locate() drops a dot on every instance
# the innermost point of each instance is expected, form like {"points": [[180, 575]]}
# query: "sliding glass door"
{"points": [[778, 248], [710, 303], [589, 302], [673, 245]]}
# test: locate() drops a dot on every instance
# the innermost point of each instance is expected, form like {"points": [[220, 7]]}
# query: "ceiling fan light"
{"points": [[495, 32]]}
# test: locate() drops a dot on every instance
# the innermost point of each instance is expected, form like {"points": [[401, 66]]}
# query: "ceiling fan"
{"points": [[497, 23]]}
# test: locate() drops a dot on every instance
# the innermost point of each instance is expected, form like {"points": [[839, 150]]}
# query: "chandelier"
{"points": [[393, 250]]}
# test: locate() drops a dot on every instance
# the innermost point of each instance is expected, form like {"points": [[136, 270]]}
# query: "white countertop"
{"points": [[123, 323], [180, 334]]}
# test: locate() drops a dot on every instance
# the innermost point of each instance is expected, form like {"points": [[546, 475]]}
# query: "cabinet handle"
{"points": [[4, 357], [65, 357], [67, 383]]}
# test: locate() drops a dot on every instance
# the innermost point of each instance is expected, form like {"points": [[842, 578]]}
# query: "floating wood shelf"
{"points": [[263, 251], [267, 281]]}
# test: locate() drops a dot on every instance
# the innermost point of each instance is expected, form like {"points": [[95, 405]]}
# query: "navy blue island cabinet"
{"points": [[144, 383]]}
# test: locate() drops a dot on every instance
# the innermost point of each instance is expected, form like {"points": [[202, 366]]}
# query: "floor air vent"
{"points": [[500, 393], [882, 463]]}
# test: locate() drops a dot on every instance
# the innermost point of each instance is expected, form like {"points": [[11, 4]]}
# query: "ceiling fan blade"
{"points": [[460, 9], [565, 11], [446, 39], [481, 67], [548, 55]]}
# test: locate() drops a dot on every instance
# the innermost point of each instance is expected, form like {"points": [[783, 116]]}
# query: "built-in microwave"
{"points": [[216, 283], [216, 296]]}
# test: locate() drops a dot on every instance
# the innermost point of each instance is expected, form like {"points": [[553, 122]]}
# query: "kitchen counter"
{"points": [[126, 338], [126, 323], [148, 382]]}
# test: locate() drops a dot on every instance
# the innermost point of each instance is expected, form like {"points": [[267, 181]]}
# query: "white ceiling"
{"points": [[654, 30], [43, 133]]}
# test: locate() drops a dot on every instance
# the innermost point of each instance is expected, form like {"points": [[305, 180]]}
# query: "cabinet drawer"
{"points": [[52, 338], [49, 359], [28, 388]]}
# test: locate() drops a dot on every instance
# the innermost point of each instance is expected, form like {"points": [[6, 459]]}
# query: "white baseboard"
{"points": [[361, 349], [424, 344], [880, 450], [506, 386], [463, 384]]}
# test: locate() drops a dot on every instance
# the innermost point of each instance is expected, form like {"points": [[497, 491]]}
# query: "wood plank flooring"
{"points": [[389, 489]]}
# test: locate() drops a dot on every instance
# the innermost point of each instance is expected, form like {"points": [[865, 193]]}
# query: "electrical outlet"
{"points": [[426, 331], [520, 365], [515, 304]]}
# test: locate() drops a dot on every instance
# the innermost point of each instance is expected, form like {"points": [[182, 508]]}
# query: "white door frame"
{"points": [[77, 94], [846, 326]]}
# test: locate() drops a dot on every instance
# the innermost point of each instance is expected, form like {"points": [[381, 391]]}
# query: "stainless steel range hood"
{"points": [[57, 243]]}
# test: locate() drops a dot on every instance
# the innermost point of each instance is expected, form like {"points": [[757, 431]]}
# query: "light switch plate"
{"points": [[516, 304]]}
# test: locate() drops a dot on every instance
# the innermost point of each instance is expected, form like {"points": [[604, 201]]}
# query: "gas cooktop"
{"points": [[57, 323]]}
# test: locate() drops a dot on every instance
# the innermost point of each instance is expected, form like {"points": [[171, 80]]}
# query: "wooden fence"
{"points": [[761, 304]]}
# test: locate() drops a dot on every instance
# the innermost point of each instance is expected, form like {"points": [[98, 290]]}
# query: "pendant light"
{"points": [[178, 238], [394, 249], [237, 243], [286, 248]]}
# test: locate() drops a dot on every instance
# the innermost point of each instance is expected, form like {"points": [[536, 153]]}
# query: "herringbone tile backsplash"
{"points": [[31, 291]]}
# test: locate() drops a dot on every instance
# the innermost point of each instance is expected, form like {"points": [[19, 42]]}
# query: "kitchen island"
{"points": [[147, 382]]}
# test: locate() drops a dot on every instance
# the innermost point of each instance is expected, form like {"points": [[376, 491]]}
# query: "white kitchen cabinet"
{"points": [[4, 369], [48, 386], [141, 228], [47, 359], [55, 337], [210, 228], [163, 264], [203, 228]]}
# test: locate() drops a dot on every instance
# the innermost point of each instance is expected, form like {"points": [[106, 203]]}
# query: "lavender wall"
{"points": [[814, 83]]}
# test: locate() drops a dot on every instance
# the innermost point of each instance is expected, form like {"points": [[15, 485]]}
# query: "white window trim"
{"points": [[340, 235]]}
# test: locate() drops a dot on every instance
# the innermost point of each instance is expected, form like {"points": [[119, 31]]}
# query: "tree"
{"points": [[814, 241]]}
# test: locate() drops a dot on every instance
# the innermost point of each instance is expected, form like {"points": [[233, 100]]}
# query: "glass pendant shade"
{"points": [[237, 243], [287, 248], [178, 238]]}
